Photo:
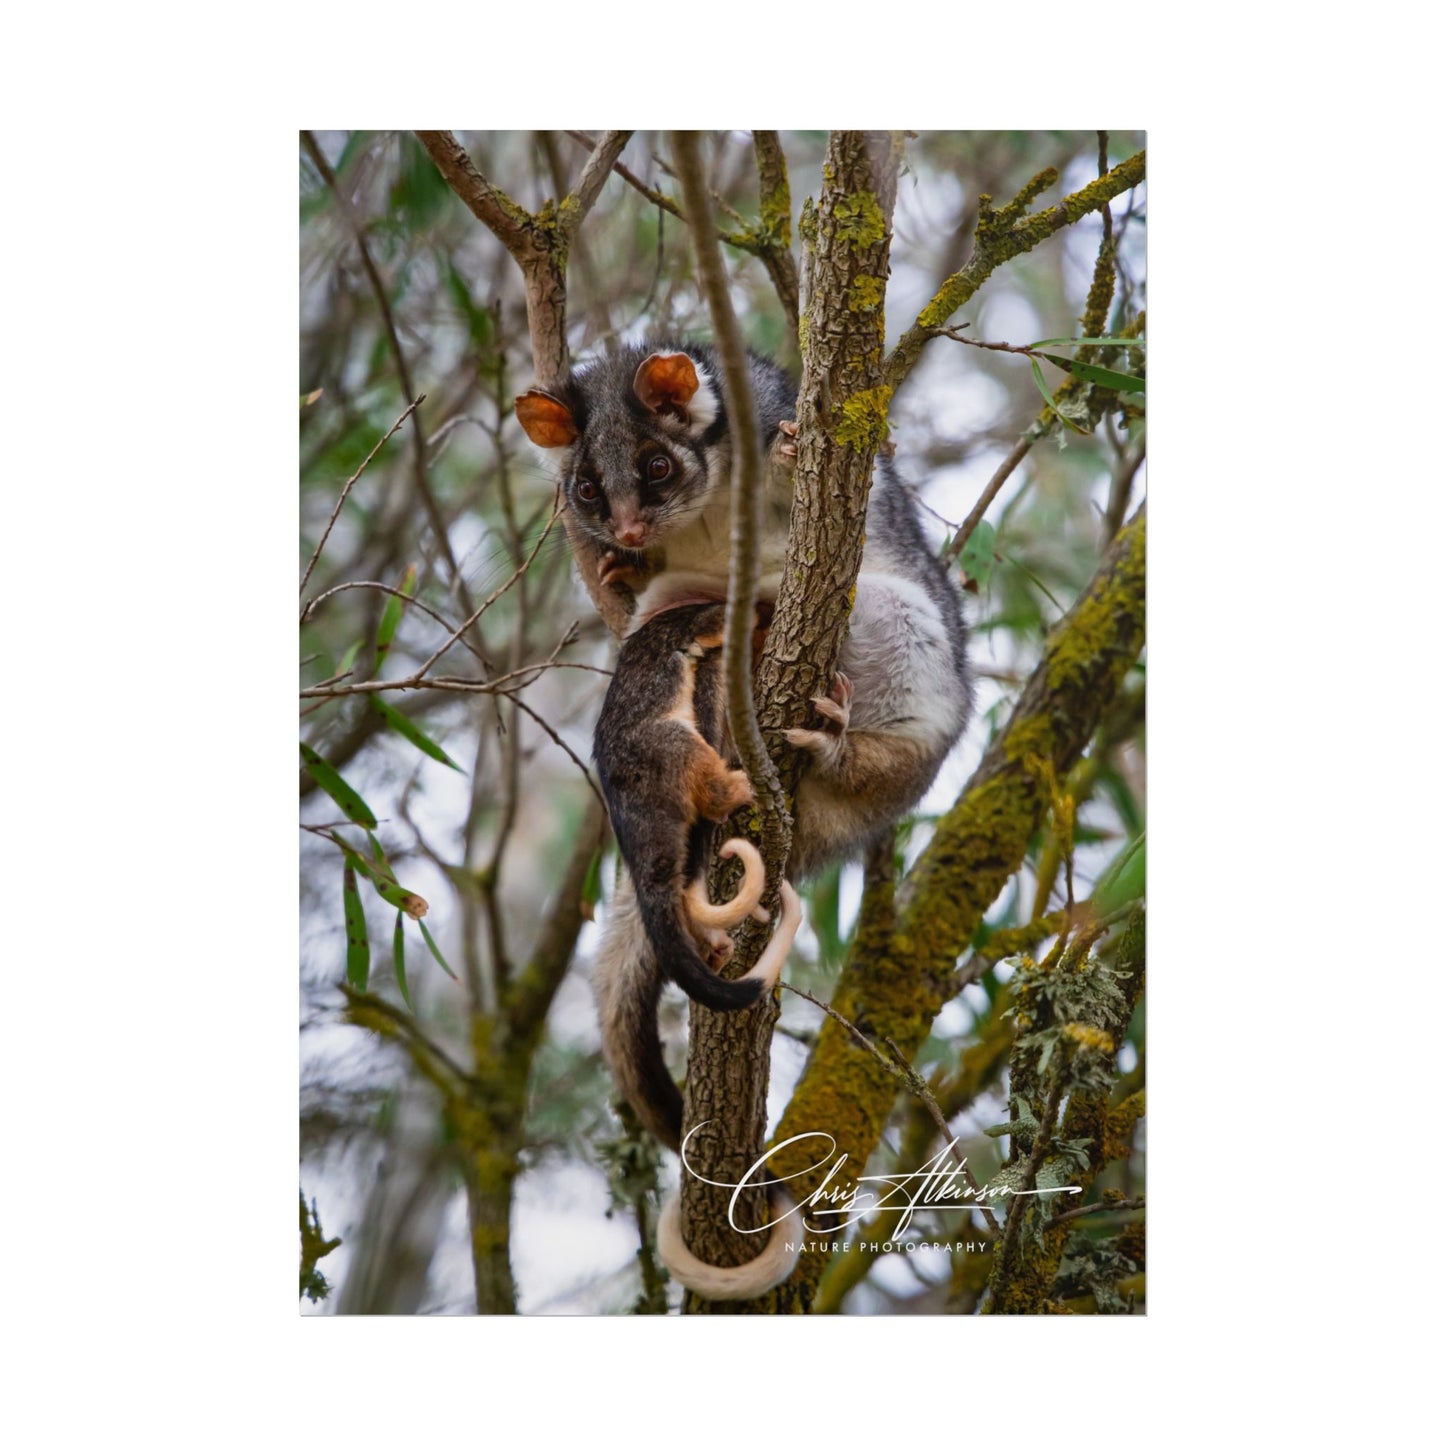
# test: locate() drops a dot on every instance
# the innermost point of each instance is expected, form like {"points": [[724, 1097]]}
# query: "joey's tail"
{"points": [[672, 919]]}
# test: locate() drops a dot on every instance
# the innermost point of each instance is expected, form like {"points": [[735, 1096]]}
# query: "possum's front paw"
{"points": [[828, 742], [622, 569], [785, 444]]}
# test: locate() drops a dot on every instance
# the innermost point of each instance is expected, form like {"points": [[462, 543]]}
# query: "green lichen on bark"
{"points": [[314, 1247], [864, 423], [1023, 1281], [893, 987], [1001, 235], [865, 294], [775, 214], [858, 220]]}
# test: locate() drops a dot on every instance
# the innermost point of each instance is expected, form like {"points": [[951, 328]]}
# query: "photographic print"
{"points": [[722, 722]]}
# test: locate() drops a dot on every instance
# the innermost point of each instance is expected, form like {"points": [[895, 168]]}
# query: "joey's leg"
{"points": [[717, 948], [720, 792]]}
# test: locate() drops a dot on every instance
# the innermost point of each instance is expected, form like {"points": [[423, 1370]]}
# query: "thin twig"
{"points": [[1121, 487], [1103, 1206], [926, 1097], [505, 587], [985, 498], [594, 175], [346, 491], [662, 202], [403, 1023], [507, 684], [560, 741], [403, 370], [1042, 1139], [745, 563], [391, 592]]}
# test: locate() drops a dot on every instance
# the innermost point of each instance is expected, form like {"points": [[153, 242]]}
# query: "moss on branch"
{"points": [[893, 988], [1000, 236]]}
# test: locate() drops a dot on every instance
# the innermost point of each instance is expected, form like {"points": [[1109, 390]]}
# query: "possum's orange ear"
{"points": [[667, 380], [546, 420]]}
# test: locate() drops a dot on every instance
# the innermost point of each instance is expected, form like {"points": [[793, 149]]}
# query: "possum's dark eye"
{"points": [[659, 469], [587, 490]]}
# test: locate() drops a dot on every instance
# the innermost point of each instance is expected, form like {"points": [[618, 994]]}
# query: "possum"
{"points": [[646, 462]]}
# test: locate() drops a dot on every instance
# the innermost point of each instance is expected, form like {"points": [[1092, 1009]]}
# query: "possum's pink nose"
{"points": [[632, 535]]}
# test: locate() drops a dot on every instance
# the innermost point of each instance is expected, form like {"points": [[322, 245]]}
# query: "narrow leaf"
{"points": [[383, 879], [358, 946], [592, 887], [1048, 397], [1123, 880], [977, 557], [1099, 375], [350, 657], [1037, 581], [411, 732], [1089, 341], [398, 958], [391, 617], [436, 953], [331, 782], [380, 858]]}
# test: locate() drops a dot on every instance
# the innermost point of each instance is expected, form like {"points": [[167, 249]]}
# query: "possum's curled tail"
{"points": [[629, 982]]}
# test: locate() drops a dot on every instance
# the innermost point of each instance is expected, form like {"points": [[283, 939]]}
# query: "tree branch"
{"points": [[1000, 236], [403, 371], [497, 211], [842, 415], [900, 984], [573, 210], [775, 222], [744, 568]]}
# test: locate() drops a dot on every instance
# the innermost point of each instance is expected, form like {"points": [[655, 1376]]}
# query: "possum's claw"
{"points": [[621, 569], [785, 446], [826, 743]]}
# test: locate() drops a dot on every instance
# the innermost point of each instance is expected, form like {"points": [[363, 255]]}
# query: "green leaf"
{"points": [[1037, 581], [977, 557], [391, 616], [398, 958], [479, 320], [436, 953], [592, 883], [380, 858], [358, 946], [331, 782], [411, 732], [1123, 880], [1089, 341], [344, 666], [1099, 375], [381, 877], [1048, 397]]}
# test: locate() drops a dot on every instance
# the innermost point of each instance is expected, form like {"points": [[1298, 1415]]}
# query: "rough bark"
{"points": [[842, 414]]}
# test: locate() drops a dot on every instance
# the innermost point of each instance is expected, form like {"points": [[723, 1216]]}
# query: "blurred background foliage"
{"points": [[398, 278]]}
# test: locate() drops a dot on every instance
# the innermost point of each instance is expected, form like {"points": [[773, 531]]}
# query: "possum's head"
{"points": [[641, 439]]}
